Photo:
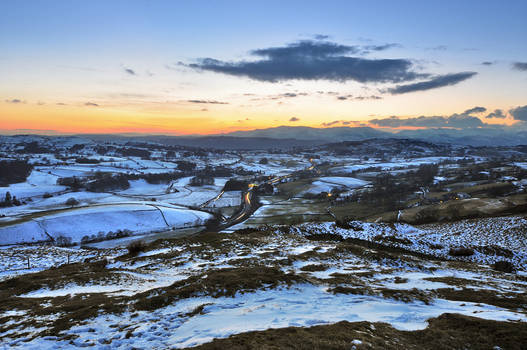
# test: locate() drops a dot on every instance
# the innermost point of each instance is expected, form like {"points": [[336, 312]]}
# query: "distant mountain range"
{"points": [[318, 134], [470, 136], [287, 137]]}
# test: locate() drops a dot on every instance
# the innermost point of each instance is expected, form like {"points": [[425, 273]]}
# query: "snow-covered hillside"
{"points": [[75, 224]]}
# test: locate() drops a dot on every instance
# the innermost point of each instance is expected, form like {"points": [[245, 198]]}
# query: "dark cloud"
{"points": [[519, 113], [314, 60], [498, 113], [487, 63], [129, 71], [522, 66], [342, 98], [475, 110], [434, 83], [212, 102], [294, 119], [15, 101], [459, 121], [91, 104]]}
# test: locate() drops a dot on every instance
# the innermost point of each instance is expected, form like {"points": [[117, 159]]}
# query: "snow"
{"points": [[37, 184], [141, 187], [394, 164], [328, 184], [299, 306], [79, 222], [437, 239]]}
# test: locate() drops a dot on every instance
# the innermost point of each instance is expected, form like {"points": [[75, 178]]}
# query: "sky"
{"points": [[174, 67]]}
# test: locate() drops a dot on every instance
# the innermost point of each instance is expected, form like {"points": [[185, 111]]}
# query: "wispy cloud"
{"points": [[358, 98], [213, 102], [294, 119], [331, 123], [91, 104], [434, 83], [129, 71], [15, 101], [320, 36], [476, 109]]}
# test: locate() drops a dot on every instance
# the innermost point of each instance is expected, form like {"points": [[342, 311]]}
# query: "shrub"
{"points": [[461, 251], [72, 202], [348, 224], [99, 265], [436, 246], [62, 241], [136, 247], [503, 266]]}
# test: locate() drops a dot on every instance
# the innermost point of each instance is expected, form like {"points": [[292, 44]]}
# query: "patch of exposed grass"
{"points": [[448, 331], [217, 283], [314, 267], [511, 301]]}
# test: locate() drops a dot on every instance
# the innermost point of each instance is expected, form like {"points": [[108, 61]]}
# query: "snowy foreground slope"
{"points": [[188, 291], [100, 220]]}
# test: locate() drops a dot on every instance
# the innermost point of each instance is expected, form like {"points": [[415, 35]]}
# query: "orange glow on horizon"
{"points": [[82, 119]]}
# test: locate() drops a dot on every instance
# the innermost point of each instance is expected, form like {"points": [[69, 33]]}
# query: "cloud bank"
{"points": [[315, 60]]}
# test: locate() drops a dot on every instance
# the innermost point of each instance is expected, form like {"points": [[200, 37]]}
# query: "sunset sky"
{"points": [[174, 67]]}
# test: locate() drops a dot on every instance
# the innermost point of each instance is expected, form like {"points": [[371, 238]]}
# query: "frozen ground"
{"points": [[492, 239], [186, 292]]}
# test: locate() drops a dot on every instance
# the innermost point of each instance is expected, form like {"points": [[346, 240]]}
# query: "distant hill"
{"points": [[231, 142], [496, 136], [287, 137], [318, 134]]}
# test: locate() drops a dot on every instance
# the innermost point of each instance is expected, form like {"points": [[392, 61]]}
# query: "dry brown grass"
{"points": [[448, 331]]}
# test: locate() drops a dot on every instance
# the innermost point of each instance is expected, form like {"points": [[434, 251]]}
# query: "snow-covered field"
{"points": [[100, 220], [327, 184], [197, 290], [394, 164], [37, 184]]}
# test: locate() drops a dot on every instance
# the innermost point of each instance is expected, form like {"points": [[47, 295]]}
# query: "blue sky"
{"points": [[77, 52]]}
